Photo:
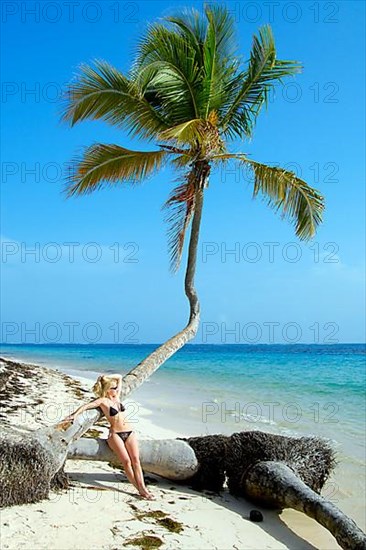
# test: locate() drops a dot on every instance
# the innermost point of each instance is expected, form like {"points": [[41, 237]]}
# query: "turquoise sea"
{"points": [[288, 389]]}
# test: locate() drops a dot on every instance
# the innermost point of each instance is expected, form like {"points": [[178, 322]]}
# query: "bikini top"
{"points": [[113, 411]]}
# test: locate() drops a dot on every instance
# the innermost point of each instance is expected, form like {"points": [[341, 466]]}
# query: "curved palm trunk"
{"points": [[152, 362], [275, 484], [52, 443]]}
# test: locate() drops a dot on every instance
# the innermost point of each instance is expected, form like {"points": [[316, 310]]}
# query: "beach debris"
{"points": [[115, 531], [93, 433], [156, 514], [256, 516], [171, 524], [145, 542], [162, 519]]}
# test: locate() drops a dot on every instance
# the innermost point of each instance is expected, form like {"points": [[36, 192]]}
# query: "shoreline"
{"points": [[101, 496]]}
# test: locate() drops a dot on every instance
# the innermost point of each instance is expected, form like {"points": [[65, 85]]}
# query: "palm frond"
{"points": [[188, 132], [287, 193], [192, 27], [222, 22], [166, 65], [212, 39], [169, 89], [291, 195], [263, 72], [102, 165], [102, 92], [218, 50], [180, 208]]}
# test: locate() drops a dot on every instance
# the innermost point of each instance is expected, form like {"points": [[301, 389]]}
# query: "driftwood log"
{"points": [[275, 471]]}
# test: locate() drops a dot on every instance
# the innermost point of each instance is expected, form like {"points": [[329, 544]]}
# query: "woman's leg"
{"points": [[131, 445], [118, 447]]}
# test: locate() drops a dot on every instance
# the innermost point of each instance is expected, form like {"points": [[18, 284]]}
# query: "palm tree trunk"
{"points": [[276, 485], [170, 458], [152, 362]]}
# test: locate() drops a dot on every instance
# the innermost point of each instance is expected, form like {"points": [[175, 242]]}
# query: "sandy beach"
{"points": [[102, 510]]}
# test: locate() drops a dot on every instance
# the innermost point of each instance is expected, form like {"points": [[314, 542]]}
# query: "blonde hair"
{"points": [[103, 384]]}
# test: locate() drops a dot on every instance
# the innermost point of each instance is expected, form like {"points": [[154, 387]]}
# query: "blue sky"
{"points": [[271, 288]]}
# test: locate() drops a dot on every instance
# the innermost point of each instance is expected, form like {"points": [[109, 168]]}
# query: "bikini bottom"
{"points": [[124, 435]]}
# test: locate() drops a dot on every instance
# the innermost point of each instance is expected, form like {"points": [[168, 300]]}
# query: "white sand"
{"points": [[103, 511]]}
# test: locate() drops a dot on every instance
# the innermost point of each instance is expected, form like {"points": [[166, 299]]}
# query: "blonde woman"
{"points": [[122, 439]]}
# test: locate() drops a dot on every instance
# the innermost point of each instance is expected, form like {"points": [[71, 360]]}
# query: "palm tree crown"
{"points": [[187, 92]]}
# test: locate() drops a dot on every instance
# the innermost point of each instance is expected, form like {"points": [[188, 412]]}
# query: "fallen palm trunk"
{"points": [[275, 471], [276, 485], [311, 458], [171, 459]]}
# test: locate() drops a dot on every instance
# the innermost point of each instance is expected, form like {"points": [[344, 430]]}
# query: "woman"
{"points": [[122, 440]]}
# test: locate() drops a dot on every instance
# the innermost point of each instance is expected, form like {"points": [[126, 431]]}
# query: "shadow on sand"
{"points": [[272, 523]]}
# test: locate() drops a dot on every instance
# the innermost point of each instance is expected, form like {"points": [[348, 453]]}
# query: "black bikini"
{"points": [[124, 435], [113, 412]]}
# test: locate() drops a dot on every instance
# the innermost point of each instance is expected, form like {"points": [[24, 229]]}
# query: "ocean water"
{"points": [[287, 389]]}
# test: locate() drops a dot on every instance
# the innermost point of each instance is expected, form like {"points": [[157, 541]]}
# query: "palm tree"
{"points": [[188, 93]]}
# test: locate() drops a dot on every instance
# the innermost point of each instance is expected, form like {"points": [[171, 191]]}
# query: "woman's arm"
{"points": [[92, 405]]}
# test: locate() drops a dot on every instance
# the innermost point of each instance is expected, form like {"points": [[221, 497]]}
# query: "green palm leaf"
{"points": [[218, 47], [192, 27], [102, 92], [263, 72], [287, 193], [292, 195], [214, 46], [166, 66], [107, 164], [169, 89]]}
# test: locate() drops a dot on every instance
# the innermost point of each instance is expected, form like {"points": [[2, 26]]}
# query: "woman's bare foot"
{"points": [[144, 493]]}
